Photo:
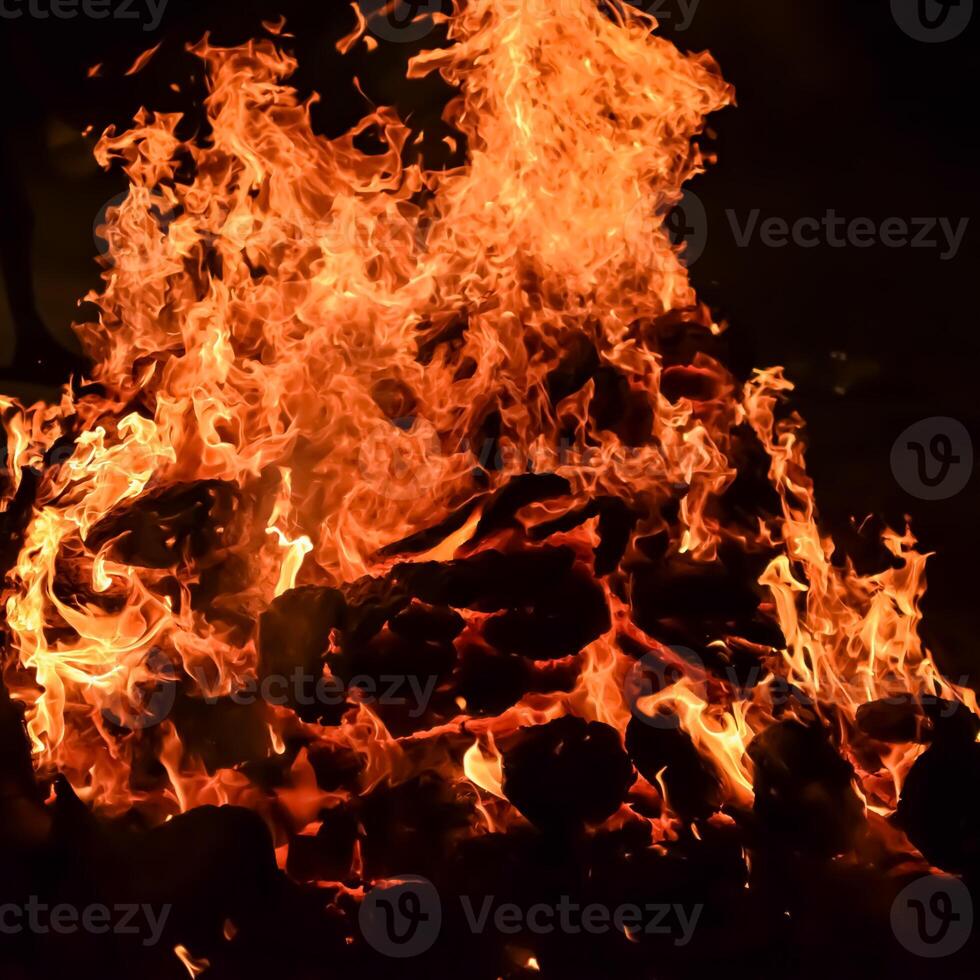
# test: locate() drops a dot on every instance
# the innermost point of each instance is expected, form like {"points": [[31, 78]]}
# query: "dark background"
{"points": [[838, 108]]}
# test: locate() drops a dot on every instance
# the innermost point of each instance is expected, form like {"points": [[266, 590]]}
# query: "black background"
{"points": [[838, 108]]}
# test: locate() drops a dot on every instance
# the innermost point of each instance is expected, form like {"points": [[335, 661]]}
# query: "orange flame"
{"points": [[264, 323]]}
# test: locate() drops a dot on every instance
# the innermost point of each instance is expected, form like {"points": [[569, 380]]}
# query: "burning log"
{"points": [[360, 421], [567, 773]]}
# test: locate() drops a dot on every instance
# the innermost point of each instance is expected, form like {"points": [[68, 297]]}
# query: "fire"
{"points": [[325, 352]]}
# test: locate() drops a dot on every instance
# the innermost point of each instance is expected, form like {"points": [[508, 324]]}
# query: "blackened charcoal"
{"points": [[400, 678], [693, 788], [679, 597], [618, 408], [429, 537], [328, 854], [557, 625], [22, 818], [164, 526], [388, 652], [489, 581], [211, 864], [335, 766], [295, 629], [293, 636], [616, 523], [422, 622], [502, 506], [566, 522], [371, 602], [697, 382], [940, 806], [490, 682], [578, 363], [804, 799], [566, 773], [222, 733], [913, 718], [416, 822]]}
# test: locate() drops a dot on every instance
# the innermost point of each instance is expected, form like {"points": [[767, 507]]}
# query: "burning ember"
{"points": [[410, 545]]}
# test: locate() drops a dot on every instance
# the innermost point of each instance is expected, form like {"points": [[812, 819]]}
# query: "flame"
{"points": [[195, 967], [320, 335]]}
